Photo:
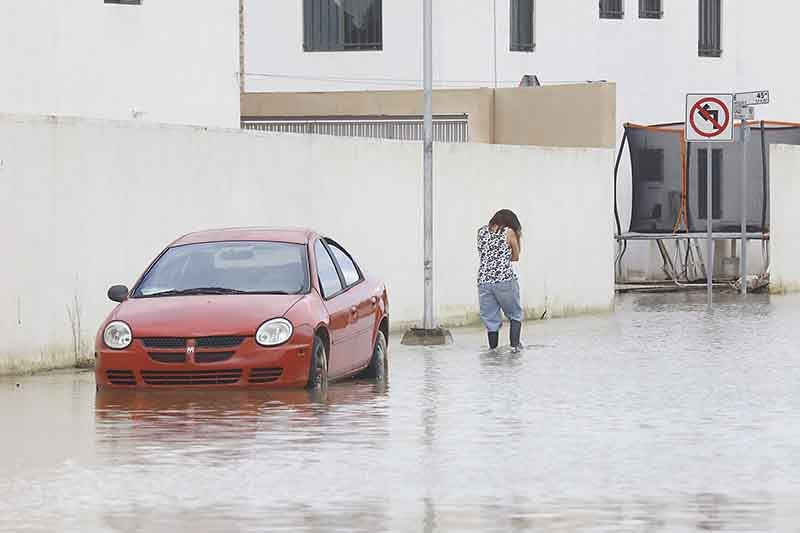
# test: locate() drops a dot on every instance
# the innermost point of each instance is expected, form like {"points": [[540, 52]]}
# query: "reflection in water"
{"points": [[658, 417]]}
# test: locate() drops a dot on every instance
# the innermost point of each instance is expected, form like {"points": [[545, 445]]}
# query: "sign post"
{"points": [[743, 246], [743, 109], [709, 120]]}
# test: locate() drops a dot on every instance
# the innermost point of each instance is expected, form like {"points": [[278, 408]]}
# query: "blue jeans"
{"points": [[494, 297]]}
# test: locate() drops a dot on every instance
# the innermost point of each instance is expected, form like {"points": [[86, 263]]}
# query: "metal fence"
{"points": [[451, 129]]}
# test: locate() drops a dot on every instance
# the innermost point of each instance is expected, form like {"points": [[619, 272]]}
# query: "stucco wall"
{"points": [[87, 204], [570, 115], [476, 103], [174, 61], [784, 195], [565, 115]]}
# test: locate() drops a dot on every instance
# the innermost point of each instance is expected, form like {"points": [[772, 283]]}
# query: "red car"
{"points": [[245, 307]]}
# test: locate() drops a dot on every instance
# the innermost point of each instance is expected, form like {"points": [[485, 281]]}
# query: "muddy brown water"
{"points": [[655, 418]]}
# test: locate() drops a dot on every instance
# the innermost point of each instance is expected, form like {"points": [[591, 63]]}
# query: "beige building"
{"points": [[576, 115]]}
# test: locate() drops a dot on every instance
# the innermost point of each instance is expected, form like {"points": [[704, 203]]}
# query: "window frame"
{"points": [[326, 243], [519, 47], [647, 12], [642, 161], [705, 8], [344, 288], [341, 46], [608, 14], [333, 244]]}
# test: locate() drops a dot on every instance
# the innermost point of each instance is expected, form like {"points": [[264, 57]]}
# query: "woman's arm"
{"points": [[513, 241]]}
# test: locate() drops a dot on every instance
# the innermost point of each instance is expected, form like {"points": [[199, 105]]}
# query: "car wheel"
{"points": [[318, 373], [379, 364]]}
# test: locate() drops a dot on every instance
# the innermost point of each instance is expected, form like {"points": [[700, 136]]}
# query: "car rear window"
{"points": [[235, 267]]}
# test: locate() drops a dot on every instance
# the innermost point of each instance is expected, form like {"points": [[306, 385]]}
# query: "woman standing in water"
{"points": [[498, 287]]}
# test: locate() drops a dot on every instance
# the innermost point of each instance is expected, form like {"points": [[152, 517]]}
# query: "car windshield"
{"points": [[228, 268]]}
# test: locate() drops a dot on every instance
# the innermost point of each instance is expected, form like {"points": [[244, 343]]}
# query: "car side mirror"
{"points": [[118, 293]]}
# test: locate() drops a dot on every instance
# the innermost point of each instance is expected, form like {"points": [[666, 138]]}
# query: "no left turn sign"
{"points": [[709, 117]]}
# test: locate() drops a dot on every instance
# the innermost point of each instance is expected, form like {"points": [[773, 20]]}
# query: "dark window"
{"points": [[710, 41], [522, 26], [125, 2], [716, 183], [612, 9], [330, 25], [649, 164], [650, 9], [328, 276], [346, 264], [228, 268]]}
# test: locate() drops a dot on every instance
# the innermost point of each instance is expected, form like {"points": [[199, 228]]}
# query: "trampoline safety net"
{"points": [[669, 178]]}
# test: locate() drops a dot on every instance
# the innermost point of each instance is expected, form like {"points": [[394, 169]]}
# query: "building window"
{"points": [[335, 25], [125, 2], [522, 25], [710, 42], [650, 9], [716, 183], [612, 9], [649, 164]]}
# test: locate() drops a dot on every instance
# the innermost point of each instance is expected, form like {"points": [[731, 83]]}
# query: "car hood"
{"points": [[202, 315]]}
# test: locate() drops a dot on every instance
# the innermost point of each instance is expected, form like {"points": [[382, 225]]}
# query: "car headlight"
{"points": [[117, 335], [274, 332]]}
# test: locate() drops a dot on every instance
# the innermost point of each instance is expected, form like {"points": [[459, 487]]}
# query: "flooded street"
{"points": [[655, 418]]}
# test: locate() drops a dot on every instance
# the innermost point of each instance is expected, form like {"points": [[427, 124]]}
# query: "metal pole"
{"points": [[428, 321], [743, 260], [709, 221]]}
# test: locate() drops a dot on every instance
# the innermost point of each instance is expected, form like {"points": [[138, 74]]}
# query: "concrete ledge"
{"points": [[427, 337]]}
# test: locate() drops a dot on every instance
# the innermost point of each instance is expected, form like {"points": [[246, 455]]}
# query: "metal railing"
{"points": [[450, 129]]}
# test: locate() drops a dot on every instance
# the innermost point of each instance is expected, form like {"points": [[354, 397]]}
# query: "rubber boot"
{"points": [[494, 338], [514, 334]]}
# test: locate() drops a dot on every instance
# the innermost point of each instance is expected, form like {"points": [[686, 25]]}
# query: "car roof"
{"points": [[288, 235]]}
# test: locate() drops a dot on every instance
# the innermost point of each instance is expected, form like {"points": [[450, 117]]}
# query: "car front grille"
{"points": [[212, 357], [192, 377], [121, 377], [163, 342], [219, 342], [168, 357], [200, 342], [265, 375]]}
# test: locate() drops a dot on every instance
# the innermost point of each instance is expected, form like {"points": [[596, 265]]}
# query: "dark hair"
{"points": [[505, 218]]}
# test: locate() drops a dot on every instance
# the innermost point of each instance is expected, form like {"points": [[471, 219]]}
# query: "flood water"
{"points": [[655, 418]]}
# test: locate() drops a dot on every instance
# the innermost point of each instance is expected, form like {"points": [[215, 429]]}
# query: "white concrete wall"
{"points": [[784, 196], [175, 61], [86, 204]]}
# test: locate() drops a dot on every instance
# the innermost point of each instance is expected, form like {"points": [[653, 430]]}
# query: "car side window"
{"points": [[347, 266], [328, 277]]}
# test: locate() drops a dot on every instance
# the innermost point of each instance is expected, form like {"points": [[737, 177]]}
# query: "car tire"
{"points": [[378, 367], [318, 371]]}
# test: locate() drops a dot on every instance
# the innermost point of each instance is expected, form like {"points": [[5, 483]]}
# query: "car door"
{"points": [[365, 303], [340, 304]]}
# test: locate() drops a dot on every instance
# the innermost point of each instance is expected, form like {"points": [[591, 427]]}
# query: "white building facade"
{"points": [[168, 61], [654, 50]]}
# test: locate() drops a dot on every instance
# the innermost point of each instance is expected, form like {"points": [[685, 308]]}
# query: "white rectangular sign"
{"points": [[743, 112], [752, 98], [709, 117]]}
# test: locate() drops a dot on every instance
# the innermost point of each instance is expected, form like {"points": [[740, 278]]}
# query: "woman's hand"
{"points": [[513, 242]]}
